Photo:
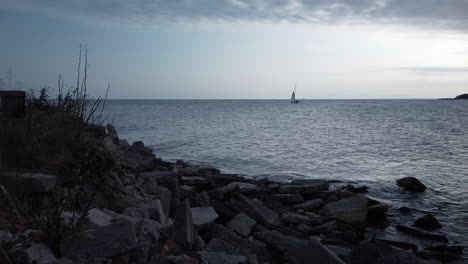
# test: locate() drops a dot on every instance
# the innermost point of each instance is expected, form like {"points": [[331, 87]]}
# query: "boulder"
{"points": [[167, 180], [40, 253], [289, 198], [341, 252], [164, 195], [298, 251], [351, 210], [96, 219], [310, 205], [377, 252], [421, 233], [428, 222], [145, 210], [183, 225], [112, 133], [257, 210], [5, 236], [412, 184], [105, 242], [304, 229], [225, 240], [324, 228], [28, 182], [241, 224], [203, 217], [295, 218], [219, 257]]}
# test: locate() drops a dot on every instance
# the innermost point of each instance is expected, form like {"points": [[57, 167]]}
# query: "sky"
{"points": [[239, 49]]}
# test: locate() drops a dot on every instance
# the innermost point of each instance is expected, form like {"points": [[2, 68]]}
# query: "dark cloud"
{"points": [[451, 14]]}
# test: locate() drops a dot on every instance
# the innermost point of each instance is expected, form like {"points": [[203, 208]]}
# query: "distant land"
{"points": [[458, 97]]}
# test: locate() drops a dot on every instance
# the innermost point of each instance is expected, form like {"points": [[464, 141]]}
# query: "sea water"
{"points": [[371, 142]]}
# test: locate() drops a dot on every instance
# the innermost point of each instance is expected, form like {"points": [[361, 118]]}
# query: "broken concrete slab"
{"points": [[183, 225], [310, 205], [351, 210], [242, 224], [96, 219], [108, 241], [203, 217]]}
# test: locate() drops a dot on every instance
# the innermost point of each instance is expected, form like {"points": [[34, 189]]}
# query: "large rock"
{"points": [[225, 240], [183, 225], [324, 228], [242, 224], [298, 251], [412, 184], [96, 219], [203, 217], [28, 182], [219, 257], [40, 253], [350, 210], [168, 180], [145, 210], [309, 205], [311, 187], [257, 210], [377, 252], [295, 218], [108, 241], [428, 222]]}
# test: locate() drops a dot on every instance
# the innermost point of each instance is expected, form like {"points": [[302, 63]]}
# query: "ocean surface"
{"points": [[371, 142]]}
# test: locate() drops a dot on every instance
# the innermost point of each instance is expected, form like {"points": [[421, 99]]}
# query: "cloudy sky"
{"points": [[239, 48]]}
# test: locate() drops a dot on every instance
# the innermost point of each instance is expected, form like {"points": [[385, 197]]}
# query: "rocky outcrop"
{"points": [[428, 222], [148, 211], [412, 184], [351, 210]]}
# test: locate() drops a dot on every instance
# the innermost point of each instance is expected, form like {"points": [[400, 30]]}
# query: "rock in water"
{"points": [[108, 241], [183, 225], [412, 184], [428, 222], [241, 224], [352, 210], [203, 217], [421, 233]]}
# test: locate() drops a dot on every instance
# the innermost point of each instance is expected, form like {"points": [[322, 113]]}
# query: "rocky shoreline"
{"points": [[145, 210]]}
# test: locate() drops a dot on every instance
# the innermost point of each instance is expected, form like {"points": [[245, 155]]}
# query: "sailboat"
{"points": [[293, 96]]}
